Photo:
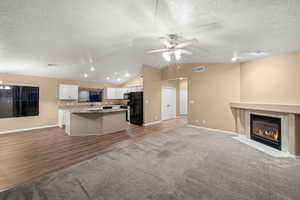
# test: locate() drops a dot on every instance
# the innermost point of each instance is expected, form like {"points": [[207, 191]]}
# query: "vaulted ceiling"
{"points": [[114, 35]]}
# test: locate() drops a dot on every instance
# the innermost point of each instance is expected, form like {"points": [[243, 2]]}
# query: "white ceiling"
{"points": [[115, 35]]}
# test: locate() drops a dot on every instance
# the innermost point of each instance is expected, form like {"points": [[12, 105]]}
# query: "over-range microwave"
{"points": [[126, 96]]}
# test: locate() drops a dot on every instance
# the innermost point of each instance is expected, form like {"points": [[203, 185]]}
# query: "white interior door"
{"points": [[168, 102], [183, 102]]}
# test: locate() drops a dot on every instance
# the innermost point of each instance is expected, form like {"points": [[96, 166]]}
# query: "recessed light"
{"points": [[108, 78], [93, 69], [127, 75], [85, 75], [180, 78], [118, 79]]}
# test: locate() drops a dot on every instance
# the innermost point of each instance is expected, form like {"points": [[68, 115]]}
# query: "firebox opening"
{"points": [[266, 130]]}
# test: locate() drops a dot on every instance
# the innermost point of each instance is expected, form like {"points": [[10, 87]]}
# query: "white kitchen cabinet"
{"points": [[114, 93], [126, 90], [68, 92], [109, 93], [61, 118], [119, 93]]}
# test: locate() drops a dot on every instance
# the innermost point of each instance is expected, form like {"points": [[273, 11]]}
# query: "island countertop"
{"points": [[96, 110], [95, 121]]}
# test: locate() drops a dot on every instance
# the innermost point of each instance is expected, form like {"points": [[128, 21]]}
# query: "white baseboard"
{"points": [[212, 129], [28, 129], [152, 123]]}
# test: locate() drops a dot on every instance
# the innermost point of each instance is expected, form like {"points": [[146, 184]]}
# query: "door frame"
{"points": [[162, 107]]}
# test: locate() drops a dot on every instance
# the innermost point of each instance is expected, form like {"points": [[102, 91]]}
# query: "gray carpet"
{"points": [[187, 164]]}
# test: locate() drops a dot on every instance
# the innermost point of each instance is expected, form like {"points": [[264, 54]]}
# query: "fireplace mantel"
{"points": [[281, 108]]}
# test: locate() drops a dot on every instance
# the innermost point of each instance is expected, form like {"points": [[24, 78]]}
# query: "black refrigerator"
{"points": [[136, 108]]}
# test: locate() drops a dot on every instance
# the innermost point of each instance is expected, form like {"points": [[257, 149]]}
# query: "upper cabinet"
{"points": [[68, 92], [113, 93], [118, 93]]}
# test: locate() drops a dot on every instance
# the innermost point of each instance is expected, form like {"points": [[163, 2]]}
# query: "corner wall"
{"points": [[152, 93], [153, 83], [209, 92]]}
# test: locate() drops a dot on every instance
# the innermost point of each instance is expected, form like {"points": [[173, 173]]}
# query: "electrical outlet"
{"points": [[204, 121]]}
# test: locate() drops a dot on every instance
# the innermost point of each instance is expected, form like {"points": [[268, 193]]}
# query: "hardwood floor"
{"points": [[32, 154]]}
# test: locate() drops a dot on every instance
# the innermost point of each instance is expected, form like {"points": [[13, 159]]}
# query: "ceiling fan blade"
{"points": [[183, 51], [187, 43], [165, 42], [158, 50]]}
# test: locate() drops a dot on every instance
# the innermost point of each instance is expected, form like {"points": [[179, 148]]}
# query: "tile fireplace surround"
{"points": [[290, 122]]}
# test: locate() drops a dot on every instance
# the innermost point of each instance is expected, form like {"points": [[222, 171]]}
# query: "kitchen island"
{"points": [[85, 122]]}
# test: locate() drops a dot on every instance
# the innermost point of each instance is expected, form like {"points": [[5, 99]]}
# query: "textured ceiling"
{"points": [[115, 35]]}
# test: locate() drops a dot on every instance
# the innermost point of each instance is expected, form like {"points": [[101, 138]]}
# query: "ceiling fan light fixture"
{"points": [[178, 54], [167, 56], [92, 69]]}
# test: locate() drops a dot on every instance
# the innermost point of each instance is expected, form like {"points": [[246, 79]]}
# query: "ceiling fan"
{"points": [[173, 46]]}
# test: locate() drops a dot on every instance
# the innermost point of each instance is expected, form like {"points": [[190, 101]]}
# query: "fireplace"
{"points": [[266, 130]]}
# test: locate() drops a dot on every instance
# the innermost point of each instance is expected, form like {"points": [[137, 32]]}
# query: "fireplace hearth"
{"points": [[266, 130]]}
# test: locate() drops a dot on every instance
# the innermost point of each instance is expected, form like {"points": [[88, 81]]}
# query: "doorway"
{"points": [[183, 102], [168, 103]]}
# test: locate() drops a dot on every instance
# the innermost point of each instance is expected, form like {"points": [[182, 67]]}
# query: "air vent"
{"points": [[52, 65], [199, 69]]}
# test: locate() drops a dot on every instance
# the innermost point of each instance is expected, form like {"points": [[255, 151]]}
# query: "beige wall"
{"points": [[152, 93], [176, 71], [272, 80], [48, 100], [183, 85], [210, 93], [136, 81]]}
